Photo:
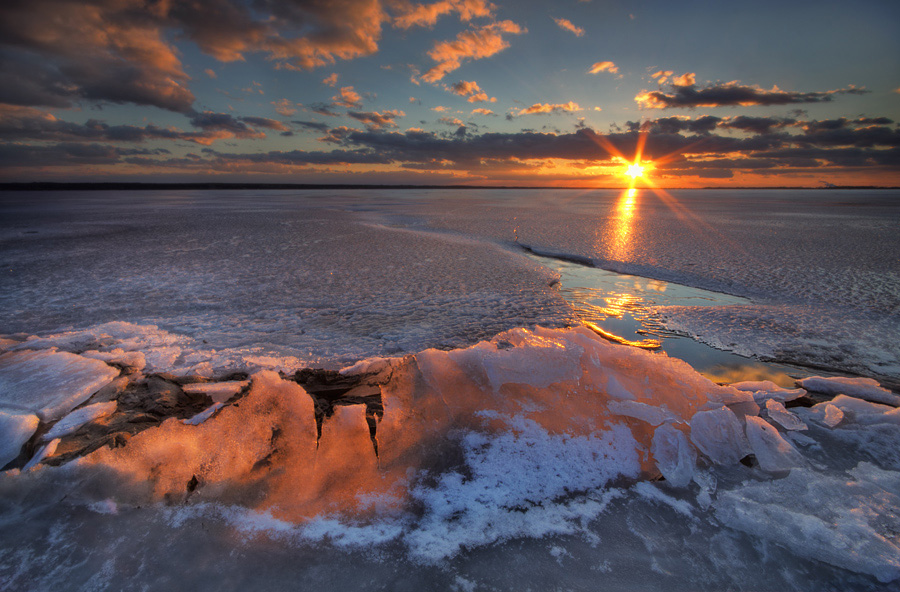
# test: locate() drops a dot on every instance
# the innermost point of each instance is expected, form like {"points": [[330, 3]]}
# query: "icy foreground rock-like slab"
{"points": [[76, 419], [765, 390], [774, 453], [675, 457], [847, 523], [219, 392], [719, 435], [861, 388], [15, 430], [778, 413], [50, 383]]}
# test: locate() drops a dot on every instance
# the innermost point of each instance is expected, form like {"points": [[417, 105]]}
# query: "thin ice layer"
{"points": [[50, 383], [861, 388]]}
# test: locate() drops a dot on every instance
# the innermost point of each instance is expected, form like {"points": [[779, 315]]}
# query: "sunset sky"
{"points": [[451, 92]]}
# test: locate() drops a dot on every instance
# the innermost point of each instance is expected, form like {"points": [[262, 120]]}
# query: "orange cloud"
{"points": [[539, 108], [688, 79], [603, 67], [440, 109], [568, 26], [662, 75], [284, 107], [426, 15], [451, 121], [471, 89], [347, 98], [473, 44], [481, 111], [375, 119], [330, 80]]}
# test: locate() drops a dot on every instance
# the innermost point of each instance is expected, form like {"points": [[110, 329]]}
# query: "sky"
{"points": [[524, 93]]}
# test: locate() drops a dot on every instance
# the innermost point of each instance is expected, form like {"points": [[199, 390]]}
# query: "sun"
{"points": [[635, 171]]}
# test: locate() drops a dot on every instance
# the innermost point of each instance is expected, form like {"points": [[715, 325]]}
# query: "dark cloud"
{"points": [[733, 94], [66, 154], [675, 125], [376, 120], [56, 52], [756, 125], [312, 125]]}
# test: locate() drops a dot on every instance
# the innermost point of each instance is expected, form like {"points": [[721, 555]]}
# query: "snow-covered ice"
{"points": [[15, 430], [861, 388], [79, 417]]}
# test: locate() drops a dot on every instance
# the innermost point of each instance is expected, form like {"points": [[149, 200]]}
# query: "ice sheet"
{"points": [[15, 430], [50, 383]]}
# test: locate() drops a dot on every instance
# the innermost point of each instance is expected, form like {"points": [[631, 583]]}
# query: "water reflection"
{"points": [[622, 225]]}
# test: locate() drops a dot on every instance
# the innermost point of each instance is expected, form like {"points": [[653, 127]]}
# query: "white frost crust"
{"points": [[861, 388], [50, 383]]}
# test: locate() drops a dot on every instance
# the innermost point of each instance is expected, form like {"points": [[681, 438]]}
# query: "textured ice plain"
{"points": [[267, 274], [482, 457]]}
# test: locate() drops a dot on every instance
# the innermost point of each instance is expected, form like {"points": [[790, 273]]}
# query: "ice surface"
{"points": [[15, 430], [778, 413], [833, 415], [847, 523], [50, 383], [774, 453], [719, 435], [79, 417], [861, 388]]}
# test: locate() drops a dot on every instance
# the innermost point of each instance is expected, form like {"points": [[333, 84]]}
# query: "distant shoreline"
{"points": [[127, 186]]}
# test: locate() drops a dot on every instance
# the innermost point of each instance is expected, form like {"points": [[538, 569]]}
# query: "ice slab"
{"points": [[719, 435], [15, 430], [47, 450], [779, 414], [79, 417], [764, 390], [50, 383], [861, 388], [675, 457], [203, 415], [774, 453], [840, 521]]}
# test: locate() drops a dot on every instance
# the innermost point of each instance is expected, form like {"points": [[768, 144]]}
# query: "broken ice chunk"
{"points": [[15, 430], [774, 453], [764, 390], [652, 415], [784, 418], [43, 453], [78, 418], [675, 457], [203, 415], [50, 383], [719, 435], [862, 388], [616, 390], [833, 415]]}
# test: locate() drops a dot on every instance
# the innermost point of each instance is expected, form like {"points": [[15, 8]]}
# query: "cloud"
{"points": [[470, 90], [284, 107], [451, 121], [689, 79], [57, 52], [407, 14], [312, 125], [331, 79], [266, 123], [211, 73], [481, 111], [733, 94], [661, 76], [541, 108], [473, 44], [376, 120], [66, 154], [757, 125], [603, 67], [567, 25], [347, 98]]}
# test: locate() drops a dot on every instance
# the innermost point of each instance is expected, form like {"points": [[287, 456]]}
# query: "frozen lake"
{"points": [[515, 449]]}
